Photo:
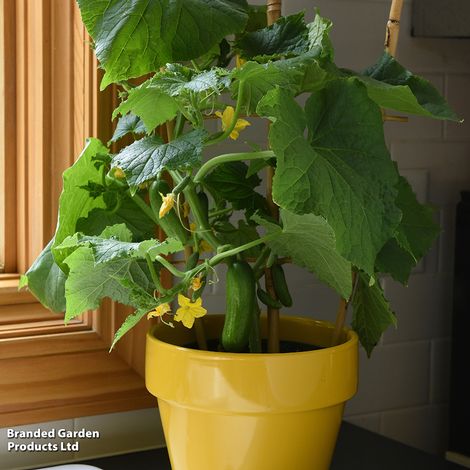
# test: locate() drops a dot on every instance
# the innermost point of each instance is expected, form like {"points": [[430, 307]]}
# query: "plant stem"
{"points": [[154, 275], [234, 251], [179, 126], [258, 266], [231, 127], [220, 212], [230, 157], [204, 230], [341, 315], [143, 206], [166, 264]]}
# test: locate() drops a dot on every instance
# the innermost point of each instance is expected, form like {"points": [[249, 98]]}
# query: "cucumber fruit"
{"points": [[280, 285], [240, 306]]}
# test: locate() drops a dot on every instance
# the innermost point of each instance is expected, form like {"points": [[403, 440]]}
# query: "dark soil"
{"points": [[285, 346]]}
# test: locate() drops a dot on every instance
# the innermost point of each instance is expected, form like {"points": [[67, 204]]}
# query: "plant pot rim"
{"points": [[302, 322], [260, 382]]}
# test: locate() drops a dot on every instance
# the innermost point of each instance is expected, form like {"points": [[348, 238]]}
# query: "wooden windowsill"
{"points": [[39, 389]]}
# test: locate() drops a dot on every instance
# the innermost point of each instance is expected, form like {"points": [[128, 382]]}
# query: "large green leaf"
{"points": [[124, 212], [414, 237], [288, 35], [75, 202], [238, 235], [148, 157], [46, 281], [396, 261], [417, 230], [319, 36], [88, 282], [159, 99], [372, 314], [390, 85], [135, 37], [341, 171], [229, 182], [115, 243], [310, 242], [151, 104], [128, 124], [297, 74]]}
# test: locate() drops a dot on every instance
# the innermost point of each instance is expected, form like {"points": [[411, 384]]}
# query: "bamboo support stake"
{"points": [[393, 27], [274, 8]]}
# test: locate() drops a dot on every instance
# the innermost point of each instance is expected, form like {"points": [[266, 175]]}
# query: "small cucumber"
{"points": [[182, 184], [170, 224], [240, 301], [204, 205], [267, 299], [280, 285], [192, 261]]}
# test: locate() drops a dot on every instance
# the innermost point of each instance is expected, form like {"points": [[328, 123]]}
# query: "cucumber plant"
{"points": [[344, 210]]}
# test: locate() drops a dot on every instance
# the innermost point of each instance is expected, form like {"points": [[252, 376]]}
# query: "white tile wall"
{"points": [[404, 387]]}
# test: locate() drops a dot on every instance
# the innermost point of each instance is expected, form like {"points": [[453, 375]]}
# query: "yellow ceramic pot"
{"points": [[223, 411]]}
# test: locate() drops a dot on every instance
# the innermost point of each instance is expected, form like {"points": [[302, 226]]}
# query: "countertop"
{"points": [[357, 449]]}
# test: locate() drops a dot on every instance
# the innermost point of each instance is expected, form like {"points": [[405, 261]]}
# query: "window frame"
{"points": [[49, 371]]}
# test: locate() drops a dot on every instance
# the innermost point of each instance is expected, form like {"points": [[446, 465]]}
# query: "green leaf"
{"points": [[129, 323], [151, 104], [126, 212], [414, 237], [257, 17], [115, 243], [128, 124], [134, 38], [372, 314], [288, 35], [229, 182], [310, 242], [297, 75], [176, 88], [75, 202], [341, 171], [390, 85], [417, 230], [319, 36], [46, 281], [148, 157], [88, 282], [394, 260], [237, 236], [177, 80]]}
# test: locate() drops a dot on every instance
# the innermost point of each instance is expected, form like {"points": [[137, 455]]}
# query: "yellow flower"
{"points": [[119, 174], [196, 283], [159, 311], [205, 247], [227, 118], [186, 209], [167, 204], [188, 311], [239, 61]]}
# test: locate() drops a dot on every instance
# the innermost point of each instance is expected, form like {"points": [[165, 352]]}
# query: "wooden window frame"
{"points": [[49, 371]]}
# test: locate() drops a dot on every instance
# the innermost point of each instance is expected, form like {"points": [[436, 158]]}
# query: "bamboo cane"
{"points": [[393, 27], [391, 42], [273, 14]]}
